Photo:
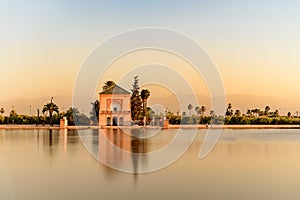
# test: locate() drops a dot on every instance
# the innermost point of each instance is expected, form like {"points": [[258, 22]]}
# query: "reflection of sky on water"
{"points": [[261, 134], [257, 164]]}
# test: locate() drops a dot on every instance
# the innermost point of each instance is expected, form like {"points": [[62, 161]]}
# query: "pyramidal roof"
{"points": [[115, 89]]}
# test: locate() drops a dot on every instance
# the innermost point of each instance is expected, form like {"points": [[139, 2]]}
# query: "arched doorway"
{"points": [[108, 121], [121, 121], [115, 121]]}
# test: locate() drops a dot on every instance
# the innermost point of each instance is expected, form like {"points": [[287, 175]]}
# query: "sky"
{"points": [[254, 44]]}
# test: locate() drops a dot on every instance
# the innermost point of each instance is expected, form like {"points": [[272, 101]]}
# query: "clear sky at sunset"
{"points": [[255, 44]]}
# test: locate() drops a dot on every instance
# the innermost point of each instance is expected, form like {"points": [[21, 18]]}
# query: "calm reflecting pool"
{"points": [[58, 164]]}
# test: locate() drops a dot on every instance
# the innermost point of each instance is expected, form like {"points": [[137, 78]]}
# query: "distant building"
{"points": [[114, 107]]}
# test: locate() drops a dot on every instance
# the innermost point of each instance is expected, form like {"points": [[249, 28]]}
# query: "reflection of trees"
{"points": [[118, 149], [50, 139], [131, 143], [48, 142], [55, 141], [138, 145]]}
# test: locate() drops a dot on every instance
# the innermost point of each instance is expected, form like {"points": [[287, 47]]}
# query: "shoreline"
{"points": [[233, 126], [200, 126]]}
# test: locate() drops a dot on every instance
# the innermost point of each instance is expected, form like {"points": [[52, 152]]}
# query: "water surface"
{"points": [[245, 164]]}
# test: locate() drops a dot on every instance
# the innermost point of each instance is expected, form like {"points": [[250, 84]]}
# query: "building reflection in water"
{"points": [[122, 151], [126, 152]]}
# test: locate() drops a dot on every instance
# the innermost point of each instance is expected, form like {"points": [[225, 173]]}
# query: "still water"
{"points": [[245, 164]]}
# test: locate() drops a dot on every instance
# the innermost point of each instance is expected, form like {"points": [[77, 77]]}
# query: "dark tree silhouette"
{"points": [[135, 100], [50, 107]]}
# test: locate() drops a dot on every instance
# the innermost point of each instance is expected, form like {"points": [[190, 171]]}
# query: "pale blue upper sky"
{"points": [[255, 43]]}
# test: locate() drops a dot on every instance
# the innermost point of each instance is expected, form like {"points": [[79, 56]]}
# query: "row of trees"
{"points": [[252, 116], [230, 112], [53, 116]]}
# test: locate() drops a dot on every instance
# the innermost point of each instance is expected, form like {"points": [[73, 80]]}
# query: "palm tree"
{"points": [[13, 115], [71, 114], [2, 111], [108, 84], [203, 109], [237, 113], [276, 113], [190, 107], [229, 111], [50, 107], [145, 95], [257, 111], [267, 109], [248, 112]]}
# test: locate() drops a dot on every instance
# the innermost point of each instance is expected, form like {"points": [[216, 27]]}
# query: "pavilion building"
{"points": [[114, 107]]}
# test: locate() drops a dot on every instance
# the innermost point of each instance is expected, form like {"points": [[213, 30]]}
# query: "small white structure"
{"points": [[63, 122]]}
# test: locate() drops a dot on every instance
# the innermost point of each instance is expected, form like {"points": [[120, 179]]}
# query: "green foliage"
{"points": [[175, 120], [189, 120], [74, 117], [50, 108], [94, 113], [229, 111], [252, 116], [136, 101], [267, 109], [145, 95], [108, 84], [2, 111]]}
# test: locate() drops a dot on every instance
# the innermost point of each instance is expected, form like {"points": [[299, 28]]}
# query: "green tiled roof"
{"points": [[115, 90]]}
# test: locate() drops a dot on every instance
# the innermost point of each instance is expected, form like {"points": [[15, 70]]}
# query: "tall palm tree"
{"points": [[2, 111], [276, 113], [190, 107], [203, 109], [229, 111], [13, 115], [145, 95], [267, 109], [50, 107]]}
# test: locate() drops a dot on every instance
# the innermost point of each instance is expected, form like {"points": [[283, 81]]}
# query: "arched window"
{"points": [[121, 121], [108, 121]]}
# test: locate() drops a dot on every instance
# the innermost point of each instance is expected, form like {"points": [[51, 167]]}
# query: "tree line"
{"points": [[251, 116], [142, 114], [50, 115]]}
